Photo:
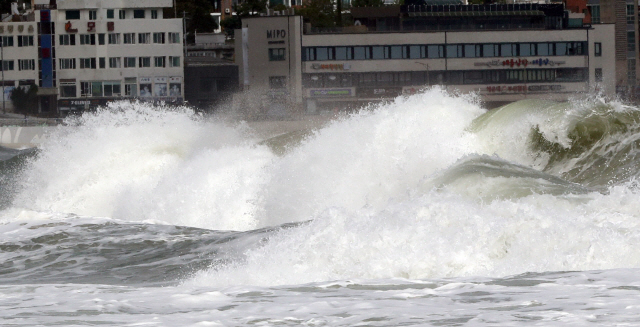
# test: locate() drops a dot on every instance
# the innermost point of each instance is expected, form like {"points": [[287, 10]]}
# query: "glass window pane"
{"points": [[377, 52], [470, 50], [359, 53], [488, 50], [506, 50], [341, 53]]}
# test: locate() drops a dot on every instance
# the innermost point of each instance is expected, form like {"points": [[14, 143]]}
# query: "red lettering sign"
{"points": [[91, 26], [69, 28], [110, 26]]}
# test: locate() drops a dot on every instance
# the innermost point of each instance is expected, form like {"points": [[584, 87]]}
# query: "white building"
{"points": [[89, 52], [502, 54]]}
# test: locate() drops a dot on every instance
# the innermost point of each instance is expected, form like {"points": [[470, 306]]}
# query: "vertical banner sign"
{"points": [[245, 54]]}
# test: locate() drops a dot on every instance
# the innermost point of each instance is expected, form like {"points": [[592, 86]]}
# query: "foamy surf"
{"points": [[427, 210]]}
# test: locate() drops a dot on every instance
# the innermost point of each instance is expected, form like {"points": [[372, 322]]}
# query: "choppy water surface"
{"points": [[425, 211]]}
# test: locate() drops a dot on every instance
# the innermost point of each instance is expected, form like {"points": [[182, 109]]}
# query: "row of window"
{"points": [[421, 51], [23, 41], [118, 38], [114, 88], [111, 13], [118, 62], [23, 64], [386, 79]]}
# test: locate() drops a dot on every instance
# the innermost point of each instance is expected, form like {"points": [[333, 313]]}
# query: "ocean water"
{"points": [[424, 211]]}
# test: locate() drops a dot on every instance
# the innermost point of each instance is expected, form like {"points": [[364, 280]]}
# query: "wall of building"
{"points": [[12, 54], [91, 4]]}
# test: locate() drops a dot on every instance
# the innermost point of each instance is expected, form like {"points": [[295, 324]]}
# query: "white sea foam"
{"points": [[363, 181]]}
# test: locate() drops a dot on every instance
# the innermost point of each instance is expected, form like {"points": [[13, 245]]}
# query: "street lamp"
{"points": [[427, 67]]}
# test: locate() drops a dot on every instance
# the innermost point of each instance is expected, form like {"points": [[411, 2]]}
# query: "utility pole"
{"points": [[184, 32], [4, 105], [427, 67]]}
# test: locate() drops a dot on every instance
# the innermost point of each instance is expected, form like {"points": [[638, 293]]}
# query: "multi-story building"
{"points": [[501, 52], [84, 53], [623, 14]]}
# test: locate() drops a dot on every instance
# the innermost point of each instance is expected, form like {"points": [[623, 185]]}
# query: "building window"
{"points": [[67, 39], [110, 14], [631, 72], [102, 62], [277, 82], [597, 49], [138, 13], [130, 87], [455, 51], [96, 89], [174, 61], [114, 38], [277, 54], [129, 38], [631, 18], [101, 39], [7, 41], [631, 41], [26, 64], [72, 14], [174, 37], [25, 40], [68, 63], [67, 90], [85, 89], [114, 62], [144, 38], [129, 62], [159, 61], [111, 89], [595, 14], [7, 65], [93, 14], [87, 63], [158, 38], [122, 14], [144, 62], [154, 14], [145, 90], [88, 39], [598, 74]]}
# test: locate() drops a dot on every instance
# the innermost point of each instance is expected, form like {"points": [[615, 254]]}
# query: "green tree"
{"points": [[247, 8], [25, 99], [197, 14], [319, 13]]}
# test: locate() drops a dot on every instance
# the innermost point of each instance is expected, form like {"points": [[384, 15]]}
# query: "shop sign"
{"points": [[160, 79], [380, 92], [331, 66], [519, 63], [176, 79], [145, 79], [276, 34], [331, 92], [523, 88]]}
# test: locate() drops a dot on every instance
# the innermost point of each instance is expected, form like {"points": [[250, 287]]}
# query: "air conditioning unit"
{"points": [[227, 11]]}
